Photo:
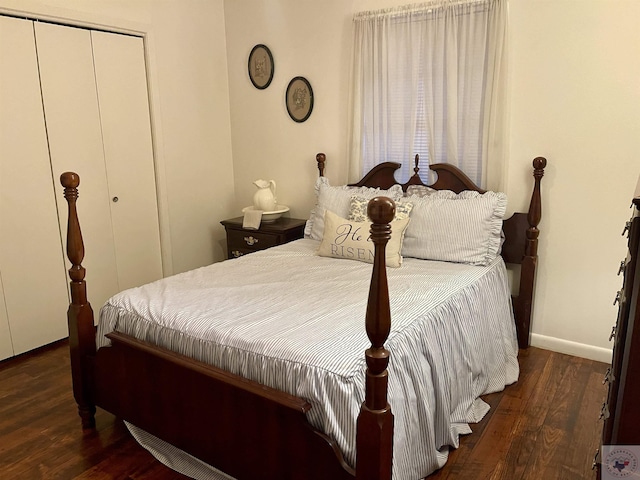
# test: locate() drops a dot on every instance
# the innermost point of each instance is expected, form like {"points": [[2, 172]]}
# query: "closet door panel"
{"points": [[75, 143], [31, 254], [128, 150]]}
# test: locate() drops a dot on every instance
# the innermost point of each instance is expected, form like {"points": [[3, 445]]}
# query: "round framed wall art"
{"points": [[260, 66], [299, 99]]}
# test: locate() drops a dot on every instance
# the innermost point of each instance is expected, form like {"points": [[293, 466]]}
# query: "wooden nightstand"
{"points": [[241, 241]]}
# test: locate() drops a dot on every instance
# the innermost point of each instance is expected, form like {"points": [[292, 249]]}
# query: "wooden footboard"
{"points": [[241, 427], [245, 429]]}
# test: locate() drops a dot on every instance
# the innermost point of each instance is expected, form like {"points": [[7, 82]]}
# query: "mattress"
{"points": [[293, 320]]}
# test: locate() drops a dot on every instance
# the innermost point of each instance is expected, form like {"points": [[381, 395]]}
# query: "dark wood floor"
{"points": [[545, 427]]}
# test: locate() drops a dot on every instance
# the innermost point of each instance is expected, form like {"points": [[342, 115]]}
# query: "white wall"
{"points": [[307, 38], [188, 77], [573, 95], [574, 99]]}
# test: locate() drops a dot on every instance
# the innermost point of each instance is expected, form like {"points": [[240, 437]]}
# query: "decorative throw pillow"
{"points": [[351, 240], [419, 190], [337, 200], [442, 194], [464, 229], [358, 210]]}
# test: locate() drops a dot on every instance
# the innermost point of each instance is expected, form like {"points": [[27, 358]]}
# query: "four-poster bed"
{"points": [[244, 427]]}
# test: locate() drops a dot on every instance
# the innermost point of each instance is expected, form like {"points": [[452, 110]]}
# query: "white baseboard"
{"points": [[571, 348]]}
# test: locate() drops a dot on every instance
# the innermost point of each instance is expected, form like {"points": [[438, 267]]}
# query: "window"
{"points": [[424, 81]]}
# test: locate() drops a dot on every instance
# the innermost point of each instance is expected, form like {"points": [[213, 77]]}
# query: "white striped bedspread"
{"points": [[293, 320]]}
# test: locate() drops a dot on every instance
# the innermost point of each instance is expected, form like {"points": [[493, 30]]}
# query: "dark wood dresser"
{"points": [[621, 411], [241, 241]]}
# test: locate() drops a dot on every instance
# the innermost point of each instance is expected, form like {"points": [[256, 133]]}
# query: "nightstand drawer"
{"points": [[241, 241], [250, 240]]}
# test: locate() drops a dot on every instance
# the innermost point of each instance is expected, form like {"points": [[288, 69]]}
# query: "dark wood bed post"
{"points": [[530, 259], [82, 343], [321, 158], [374, 443]]}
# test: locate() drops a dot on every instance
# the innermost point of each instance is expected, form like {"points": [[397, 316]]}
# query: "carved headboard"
{"points": [[520, 230]]}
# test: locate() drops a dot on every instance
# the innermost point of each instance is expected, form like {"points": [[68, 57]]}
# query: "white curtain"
{"points": [[429, 79]]}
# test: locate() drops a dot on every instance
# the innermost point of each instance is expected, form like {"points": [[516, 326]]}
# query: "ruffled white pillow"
{"points": [[463, 228]]}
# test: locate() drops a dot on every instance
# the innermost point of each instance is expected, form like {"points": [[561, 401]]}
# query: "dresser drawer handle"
{"points": [[608, 377], [623, 266], [604, 411], [613, 333], [250, 240], [619, 297], [595, 459], [236, 253], [627, 226]]}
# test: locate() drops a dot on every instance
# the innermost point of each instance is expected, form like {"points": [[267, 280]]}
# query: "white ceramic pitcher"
{"points": [[265, 198]]}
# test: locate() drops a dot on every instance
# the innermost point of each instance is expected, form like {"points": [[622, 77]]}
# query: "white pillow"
{"points": [[343, 238], [337, 200], [465, 228]]}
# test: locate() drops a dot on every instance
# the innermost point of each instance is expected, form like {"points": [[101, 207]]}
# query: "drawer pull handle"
{"points": [[604, 411], [613, 333], [236, 253], [595, 460], [623, 266], [618, 298], [627, 226], [250, 240], [608, 377]]}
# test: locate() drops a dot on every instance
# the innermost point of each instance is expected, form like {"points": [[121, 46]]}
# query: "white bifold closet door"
{"points": [[126, 135], [96, 107], [71, 99], [31, 259]]}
